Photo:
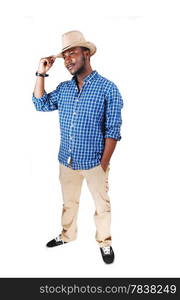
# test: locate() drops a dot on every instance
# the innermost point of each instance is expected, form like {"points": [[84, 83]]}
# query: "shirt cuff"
{"points": [[113, 135], [44, 97]]}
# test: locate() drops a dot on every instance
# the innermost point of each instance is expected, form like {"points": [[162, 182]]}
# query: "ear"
{"points": [[87, 54]]}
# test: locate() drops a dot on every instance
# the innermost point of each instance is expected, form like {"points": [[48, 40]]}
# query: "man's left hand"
{"points": [[104, 165]]}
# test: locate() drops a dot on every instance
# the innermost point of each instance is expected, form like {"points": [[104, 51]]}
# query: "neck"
{"points": [[80, 77]]}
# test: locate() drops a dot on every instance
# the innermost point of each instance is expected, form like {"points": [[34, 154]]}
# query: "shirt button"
{"points": [[74, 113]]}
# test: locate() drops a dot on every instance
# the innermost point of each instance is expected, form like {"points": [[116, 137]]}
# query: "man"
{"points": [[89, 108]]}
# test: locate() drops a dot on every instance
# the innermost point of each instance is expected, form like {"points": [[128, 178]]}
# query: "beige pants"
{"points": [[97, 182]]}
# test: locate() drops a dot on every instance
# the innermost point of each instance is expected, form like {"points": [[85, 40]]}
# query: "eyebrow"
{"points": [[69, 51]]}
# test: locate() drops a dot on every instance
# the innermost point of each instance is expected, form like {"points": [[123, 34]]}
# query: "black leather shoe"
{"points": [[55, 242], [107, 254]]}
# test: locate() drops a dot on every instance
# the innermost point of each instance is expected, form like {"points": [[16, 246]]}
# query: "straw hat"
{"points": [[75, 38]]}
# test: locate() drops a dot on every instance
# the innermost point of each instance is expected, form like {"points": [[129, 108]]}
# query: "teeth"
{"points": [[70, 66]]}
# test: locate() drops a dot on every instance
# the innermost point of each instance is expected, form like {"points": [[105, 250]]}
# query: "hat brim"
{"points": [[88, 45]]}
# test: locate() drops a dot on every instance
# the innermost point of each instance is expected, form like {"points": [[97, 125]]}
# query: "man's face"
{"points": [[74, 60]]}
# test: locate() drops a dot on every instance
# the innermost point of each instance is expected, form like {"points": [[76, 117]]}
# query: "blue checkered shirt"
{"points": [[86, 118]]}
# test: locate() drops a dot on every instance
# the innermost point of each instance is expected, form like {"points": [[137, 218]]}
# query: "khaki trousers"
{"points": [[71, 184]]}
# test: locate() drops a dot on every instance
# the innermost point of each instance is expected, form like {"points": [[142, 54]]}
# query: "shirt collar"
{"points": [[89, 77]]}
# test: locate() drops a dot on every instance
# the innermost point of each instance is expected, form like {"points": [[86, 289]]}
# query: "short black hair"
{"points": [[85, 48]]}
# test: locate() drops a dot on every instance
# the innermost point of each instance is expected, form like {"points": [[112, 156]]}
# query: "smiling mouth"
{"points": [[70, 66]]}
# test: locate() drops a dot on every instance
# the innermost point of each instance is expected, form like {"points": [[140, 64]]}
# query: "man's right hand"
{"points": [[45, 64]]}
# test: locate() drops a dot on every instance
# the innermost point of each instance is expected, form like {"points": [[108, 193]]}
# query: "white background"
{"points": [[137, 48]]}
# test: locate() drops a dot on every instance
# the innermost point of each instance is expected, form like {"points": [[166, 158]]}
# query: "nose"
{"points": [[68, 60]]}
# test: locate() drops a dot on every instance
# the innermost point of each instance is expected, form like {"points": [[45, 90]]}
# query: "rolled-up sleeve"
{"points": [[48, 101], [113, 119]]}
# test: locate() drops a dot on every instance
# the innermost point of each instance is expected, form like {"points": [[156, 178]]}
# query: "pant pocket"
{"points": [[107, 169]]}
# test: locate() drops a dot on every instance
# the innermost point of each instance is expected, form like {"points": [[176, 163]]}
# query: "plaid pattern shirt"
{"points": [[86, 118]]}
